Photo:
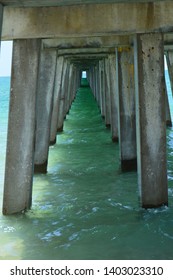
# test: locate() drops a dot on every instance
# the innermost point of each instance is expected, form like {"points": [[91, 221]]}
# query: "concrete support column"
{"points": [[69, 88], [126, 109], [150, 115], [73, 84], [107, 94], [66, 88], [102, 89], [44, 108], [95, 83], [79, 77], [56, 99], [99, 84], [92, 80], [114, 98], [61, 113], [77, 80], [21, 127], [89, 77], [1, 17]]}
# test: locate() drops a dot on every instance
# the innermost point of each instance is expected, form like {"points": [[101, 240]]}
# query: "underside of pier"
{"points": [[120, 45]]}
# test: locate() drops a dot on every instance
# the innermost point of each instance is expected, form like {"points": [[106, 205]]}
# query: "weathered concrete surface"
{"points": [[126, 109], [100, 69], [1, 18], [87, 42], [46, 78], [84, 20], [85, 51], [41, 3], [107, 94], [98, 83], [95, 82], [102, 88], [65, 88], [150, 115], [61, 112], [75, 84], [114, 98], [56, 101], [21, 127], [69, 88], [91, 79]]}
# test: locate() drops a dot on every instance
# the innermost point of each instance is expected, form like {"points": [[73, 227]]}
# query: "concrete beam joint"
{"points": [[87, 42]]}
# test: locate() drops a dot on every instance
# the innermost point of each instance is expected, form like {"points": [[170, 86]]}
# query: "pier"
{"points": [[120, 45]]}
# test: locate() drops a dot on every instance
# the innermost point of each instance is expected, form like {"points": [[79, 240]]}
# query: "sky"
{"points": [[5, 58]]}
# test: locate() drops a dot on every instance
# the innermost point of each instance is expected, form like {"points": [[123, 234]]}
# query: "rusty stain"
{"points": [[124, 49]]}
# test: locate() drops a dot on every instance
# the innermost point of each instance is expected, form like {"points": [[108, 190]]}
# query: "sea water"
{"points": [[85, 207]]}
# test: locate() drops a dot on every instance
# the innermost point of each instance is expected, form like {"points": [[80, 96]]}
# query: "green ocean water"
{"points": [[85, 207]]}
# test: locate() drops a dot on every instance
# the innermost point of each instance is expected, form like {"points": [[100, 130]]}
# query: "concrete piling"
{"points": [[126, 109], [21, 127], [150, 114], [75, 84], [56, 99], [102, 89], [66, 88], [44, 108], [69, 88], [107, 94], [1, 17], [100, 81], [103, 85], [61, 113], [114, 98]]}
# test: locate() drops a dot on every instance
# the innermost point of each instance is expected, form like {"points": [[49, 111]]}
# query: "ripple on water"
{"points": [[6, 229], [84, 207]]}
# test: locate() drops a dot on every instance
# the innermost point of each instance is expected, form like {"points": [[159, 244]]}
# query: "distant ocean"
{"points": [[84, 207], [4, 105]]}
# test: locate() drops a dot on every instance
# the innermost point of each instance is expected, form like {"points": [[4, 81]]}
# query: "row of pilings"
{"points": [[129, 87]]}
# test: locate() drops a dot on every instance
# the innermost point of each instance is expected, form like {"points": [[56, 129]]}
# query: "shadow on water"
{"points": [[84, 207]]}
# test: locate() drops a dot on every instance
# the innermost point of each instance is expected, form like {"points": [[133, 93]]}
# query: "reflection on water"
{"points": [[84, 207]]}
